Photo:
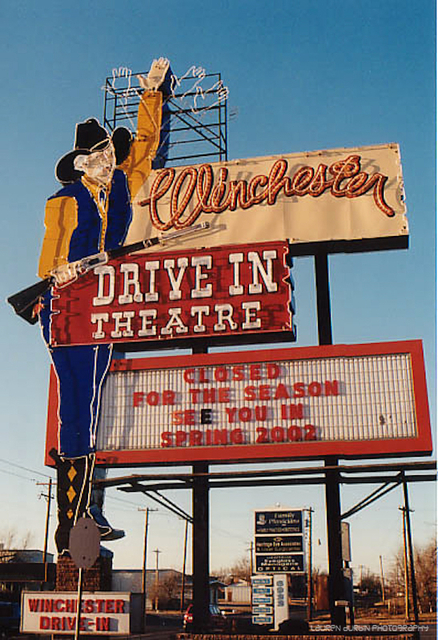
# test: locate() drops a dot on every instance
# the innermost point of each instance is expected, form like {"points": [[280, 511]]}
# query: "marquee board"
{"points": [[344, 400]]}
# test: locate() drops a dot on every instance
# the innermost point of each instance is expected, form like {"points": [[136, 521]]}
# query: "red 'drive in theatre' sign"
{"points": [[214, 292]]}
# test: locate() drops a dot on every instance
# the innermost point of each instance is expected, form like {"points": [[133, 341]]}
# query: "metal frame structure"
{"points": [[201, 481], [198, 117], [390, 474]]}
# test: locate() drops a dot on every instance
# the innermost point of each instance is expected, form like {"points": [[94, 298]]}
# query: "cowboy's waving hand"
{"points": [[156, 75]]}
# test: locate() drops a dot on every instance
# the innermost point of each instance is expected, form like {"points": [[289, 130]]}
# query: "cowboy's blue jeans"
{"points": [[81, 372]]}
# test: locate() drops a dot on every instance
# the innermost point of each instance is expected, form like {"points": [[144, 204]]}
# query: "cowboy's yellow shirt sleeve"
{"points": [[61, 219], [138, 164]]}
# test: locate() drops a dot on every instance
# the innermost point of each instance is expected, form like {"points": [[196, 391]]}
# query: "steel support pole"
{"points": [[323, 309], [201, 551], [79, 603], [201, 537], [332, 486]]}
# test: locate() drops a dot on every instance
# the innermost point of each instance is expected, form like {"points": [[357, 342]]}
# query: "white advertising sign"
{"points": [[103, 613], [320, 196], [312, 400], [348, 400]]}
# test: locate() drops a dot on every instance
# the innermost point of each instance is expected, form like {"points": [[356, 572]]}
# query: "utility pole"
{"points": [[405, 564], [251, 558], [144, 565], [157, 578], [183, 586], [411, 552], [309, 567], [48, 497], [382, 580]]}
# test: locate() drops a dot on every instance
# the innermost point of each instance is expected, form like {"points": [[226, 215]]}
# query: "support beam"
{"points": [[332, 487], [336, 576], [323, 308], [185, 479], [201, 549], [147, 489]]}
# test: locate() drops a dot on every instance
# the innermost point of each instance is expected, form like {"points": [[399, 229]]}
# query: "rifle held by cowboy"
{"points": [[25, 302]]}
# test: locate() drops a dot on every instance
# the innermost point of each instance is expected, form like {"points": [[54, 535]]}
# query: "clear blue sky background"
{"points": [[303, 75]]}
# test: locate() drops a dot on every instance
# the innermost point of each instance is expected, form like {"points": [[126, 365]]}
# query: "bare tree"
{"points": [[240, 569], [425, 573], [425, 561], [10, 539], [167, 591]]}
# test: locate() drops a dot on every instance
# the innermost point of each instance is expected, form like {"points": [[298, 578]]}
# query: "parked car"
{"points": [[9, 617], [216, 618]]}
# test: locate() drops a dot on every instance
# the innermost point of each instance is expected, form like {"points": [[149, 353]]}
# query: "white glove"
{"points": [[156, 75], [66, 273]]}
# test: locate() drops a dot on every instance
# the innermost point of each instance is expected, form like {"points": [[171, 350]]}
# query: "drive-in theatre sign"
{"points": [[240, 290], [302, 402]]}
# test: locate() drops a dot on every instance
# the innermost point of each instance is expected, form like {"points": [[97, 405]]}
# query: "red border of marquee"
{"points": [[420, 445]]}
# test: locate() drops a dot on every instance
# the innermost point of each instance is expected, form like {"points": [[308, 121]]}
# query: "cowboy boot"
{"points": [[73, 496], [95, 509], [72, 487]]}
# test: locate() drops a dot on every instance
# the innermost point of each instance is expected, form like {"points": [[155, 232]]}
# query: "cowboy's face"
{"points": [[99, 165]]}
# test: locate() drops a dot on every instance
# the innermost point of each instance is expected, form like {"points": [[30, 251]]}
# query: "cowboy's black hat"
{"points": [[91, 136]]}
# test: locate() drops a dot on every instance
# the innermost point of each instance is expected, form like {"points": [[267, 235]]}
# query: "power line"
{"points": [[17, 475], [19, 466]]}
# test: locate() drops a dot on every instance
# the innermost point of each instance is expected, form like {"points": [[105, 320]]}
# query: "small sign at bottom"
{"points": [[263, 620]]}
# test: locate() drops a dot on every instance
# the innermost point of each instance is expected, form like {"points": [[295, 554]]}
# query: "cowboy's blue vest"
{"points": [[86, 237]]}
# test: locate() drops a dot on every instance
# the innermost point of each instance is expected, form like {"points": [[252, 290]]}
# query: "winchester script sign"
{"points": [[340, 195]]}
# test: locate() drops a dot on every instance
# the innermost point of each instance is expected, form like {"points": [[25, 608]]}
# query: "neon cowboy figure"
{"points": [[92, 213]]}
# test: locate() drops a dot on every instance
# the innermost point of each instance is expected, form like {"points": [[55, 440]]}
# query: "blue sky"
{"points": [[303, 75]]}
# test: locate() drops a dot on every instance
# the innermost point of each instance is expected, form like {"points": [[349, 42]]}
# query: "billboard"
{"points": [[278, 544], [279, 541], [280, 563], [55, 613], [352, 196], [286, 521], [216, 293], [345, 400]]}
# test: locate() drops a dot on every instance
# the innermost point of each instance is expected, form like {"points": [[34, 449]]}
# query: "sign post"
{"points": [[201, 571], [332, 487], [84, 549], [79, 604]]}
